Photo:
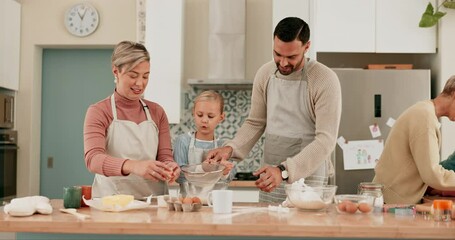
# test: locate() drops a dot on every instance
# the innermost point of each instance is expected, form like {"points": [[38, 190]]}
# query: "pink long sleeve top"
{"points": [[97, 121]]}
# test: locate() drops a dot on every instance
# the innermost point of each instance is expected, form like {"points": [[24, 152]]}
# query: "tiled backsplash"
{"points": [[237, 107]]}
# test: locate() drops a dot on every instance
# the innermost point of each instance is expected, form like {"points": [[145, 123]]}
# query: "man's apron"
{"points": [[289, 128], [126, 139]]}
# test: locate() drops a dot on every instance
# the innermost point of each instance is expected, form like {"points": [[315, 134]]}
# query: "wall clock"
{"points": [[81, 19]]}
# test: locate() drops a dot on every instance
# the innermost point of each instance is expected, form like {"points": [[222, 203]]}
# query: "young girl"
{"points": [[191, 148]]}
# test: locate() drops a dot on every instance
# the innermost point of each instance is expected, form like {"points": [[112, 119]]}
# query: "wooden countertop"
{"points": [[246, 220], [241, 184]]}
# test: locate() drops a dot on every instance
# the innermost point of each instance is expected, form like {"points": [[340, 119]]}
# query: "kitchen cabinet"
{"points": [[166, 64], [344, 26], [382, 26], [294, 8], [397, 27], [10, 24]]}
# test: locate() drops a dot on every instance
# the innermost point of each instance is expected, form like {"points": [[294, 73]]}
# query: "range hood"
{"points": [[226, 46], [221, 84]]}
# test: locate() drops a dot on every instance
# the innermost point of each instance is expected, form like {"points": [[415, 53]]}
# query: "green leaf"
{"points": [[428, 18], [449, 4]]}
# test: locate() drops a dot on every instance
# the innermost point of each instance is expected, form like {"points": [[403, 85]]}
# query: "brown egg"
{"points": [[196, 200], [351, 207], [187, 200], [365, 208], [342, 206]]}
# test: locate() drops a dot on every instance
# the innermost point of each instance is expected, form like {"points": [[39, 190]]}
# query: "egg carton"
{"points": [[185, 207]]}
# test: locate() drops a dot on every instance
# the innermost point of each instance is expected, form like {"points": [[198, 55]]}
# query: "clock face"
{"points": [[81, 19]]}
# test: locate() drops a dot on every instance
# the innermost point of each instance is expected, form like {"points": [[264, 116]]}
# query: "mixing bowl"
{"points": [[310, 198], [201, 179], [203, 174], [354, 203]]}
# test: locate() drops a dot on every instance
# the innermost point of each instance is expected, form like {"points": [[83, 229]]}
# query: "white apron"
{"points": [[289, 128], [126, 139], [197, 155]]}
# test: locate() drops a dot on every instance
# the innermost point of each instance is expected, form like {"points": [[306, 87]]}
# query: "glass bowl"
{"points": [[311, 198], [354, 203], [201, 179], [203, 174]]}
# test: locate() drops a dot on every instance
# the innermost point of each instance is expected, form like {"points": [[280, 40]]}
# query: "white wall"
{"points": [[446, 55], [42, 27]]}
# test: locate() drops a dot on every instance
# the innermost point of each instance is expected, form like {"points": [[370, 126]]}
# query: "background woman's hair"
{"points": [[210, 95], [449, 87], [127, 55]]}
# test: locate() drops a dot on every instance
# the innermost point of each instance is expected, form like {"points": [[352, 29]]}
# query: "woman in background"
{"points": [[127, 142], [409, 164]]}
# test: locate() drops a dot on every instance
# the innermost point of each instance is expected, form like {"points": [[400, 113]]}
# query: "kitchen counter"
{"points": [[246, 220]]}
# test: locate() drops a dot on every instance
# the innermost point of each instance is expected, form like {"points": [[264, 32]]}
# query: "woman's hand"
{"points": [[149, 169], [175, 170]]}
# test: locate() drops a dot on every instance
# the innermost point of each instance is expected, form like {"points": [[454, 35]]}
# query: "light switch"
{"points": [[50, 162]]}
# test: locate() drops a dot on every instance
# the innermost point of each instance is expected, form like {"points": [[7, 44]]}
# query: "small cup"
{"points": [[220, 200], [86, 193], [72, 197], [161, 200]]}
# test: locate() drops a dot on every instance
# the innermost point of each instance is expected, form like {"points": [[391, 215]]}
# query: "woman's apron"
{"points": [[126, 139], [289, 128]]}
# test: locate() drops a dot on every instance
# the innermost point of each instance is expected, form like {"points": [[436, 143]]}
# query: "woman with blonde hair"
{"points": [[127, 142]]}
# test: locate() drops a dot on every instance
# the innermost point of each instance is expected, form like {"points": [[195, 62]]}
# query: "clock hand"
{"points": [[83, 13], [78, 13]]}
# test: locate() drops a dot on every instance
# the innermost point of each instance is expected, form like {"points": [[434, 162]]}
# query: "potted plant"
{"points": [[431, 17]]}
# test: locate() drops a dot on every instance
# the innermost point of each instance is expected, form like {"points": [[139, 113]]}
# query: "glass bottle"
{"points": [[375, 190], [442, 210]]}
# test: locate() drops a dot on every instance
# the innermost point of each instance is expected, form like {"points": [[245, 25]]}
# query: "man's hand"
{"points": [[269, 178], [227, 166], [219, 154]]}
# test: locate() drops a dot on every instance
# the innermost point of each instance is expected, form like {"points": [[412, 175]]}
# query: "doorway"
{"points": [[71, 81]]}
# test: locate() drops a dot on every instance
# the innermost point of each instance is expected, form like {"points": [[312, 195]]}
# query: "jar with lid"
{"points": [[375, 190], [442, 210]]}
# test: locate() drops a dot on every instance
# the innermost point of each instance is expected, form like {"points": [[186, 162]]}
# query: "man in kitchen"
{"points": [[297, 103], [409, 164]]}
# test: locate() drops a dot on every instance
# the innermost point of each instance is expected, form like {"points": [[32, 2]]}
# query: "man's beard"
{"points": [[288, 69]]}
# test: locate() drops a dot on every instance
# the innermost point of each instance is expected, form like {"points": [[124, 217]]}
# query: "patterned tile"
{"points": [[237, 107]]}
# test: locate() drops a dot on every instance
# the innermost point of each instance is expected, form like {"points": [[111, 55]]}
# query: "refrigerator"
{"points": [[371, 98]]}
